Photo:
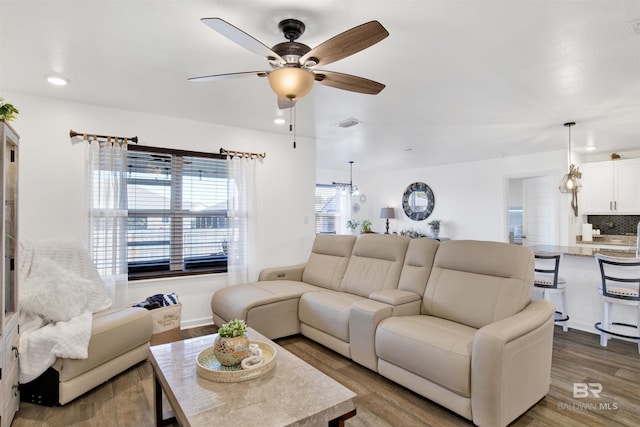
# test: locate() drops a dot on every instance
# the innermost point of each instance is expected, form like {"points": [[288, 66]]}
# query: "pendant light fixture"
{"points": [[571, 182], [348, 186]]}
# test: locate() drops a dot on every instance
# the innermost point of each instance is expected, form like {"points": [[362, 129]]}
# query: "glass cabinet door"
{"points": [[10, 193]]}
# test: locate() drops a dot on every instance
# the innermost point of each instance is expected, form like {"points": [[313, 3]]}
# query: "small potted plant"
{"points": [[231, 345], [352, 224], [7, 111], [366, 226], [434, 227]]}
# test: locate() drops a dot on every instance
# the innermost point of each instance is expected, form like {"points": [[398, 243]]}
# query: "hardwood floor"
{"points": [[127, 400]]}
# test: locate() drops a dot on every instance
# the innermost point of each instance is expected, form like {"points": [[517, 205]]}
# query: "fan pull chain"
{"points": [[292, 123]]}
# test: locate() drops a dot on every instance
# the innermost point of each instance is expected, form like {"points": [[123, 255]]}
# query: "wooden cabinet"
{"points": [[611, 187], [9, 392]]}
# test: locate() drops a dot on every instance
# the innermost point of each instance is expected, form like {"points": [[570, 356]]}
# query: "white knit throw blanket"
{"points": [[62, 289]]}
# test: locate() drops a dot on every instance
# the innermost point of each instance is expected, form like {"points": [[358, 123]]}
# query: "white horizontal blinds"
{"points": [[204, 211], [177, 213], [327, 208]]}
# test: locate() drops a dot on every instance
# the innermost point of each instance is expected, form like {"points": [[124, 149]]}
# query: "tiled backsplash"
{"points": [[614, 224]]}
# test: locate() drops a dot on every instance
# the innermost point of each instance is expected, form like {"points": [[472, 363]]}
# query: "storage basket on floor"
{"points": [[166, 324]]}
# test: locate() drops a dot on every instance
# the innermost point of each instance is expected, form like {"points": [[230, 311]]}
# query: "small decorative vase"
{"points": [[231, 350], [435, 232]]}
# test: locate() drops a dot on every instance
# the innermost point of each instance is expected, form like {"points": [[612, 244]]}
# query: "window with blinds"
{"points": [[177, 212], [327, 208]]}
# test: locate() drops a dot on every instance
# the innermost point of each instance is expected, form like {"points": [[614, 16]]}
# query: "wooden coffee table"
{"points": [[293, 393]]}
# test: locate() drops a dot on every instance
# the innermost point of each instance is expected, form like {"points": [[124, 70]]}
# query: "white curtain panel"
{"points": [[107, 179], [241, 261], [344, 213]]}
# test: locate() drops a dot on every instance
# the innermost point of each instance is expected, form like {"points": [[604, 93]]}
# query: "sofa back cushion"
{"points": [[476, 283], [375, 264], [417, 265], [328, 260]]}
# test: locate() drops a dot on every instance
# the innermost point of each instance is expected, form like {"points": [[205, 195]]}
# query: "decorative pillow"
{"points": [[53, 292]]}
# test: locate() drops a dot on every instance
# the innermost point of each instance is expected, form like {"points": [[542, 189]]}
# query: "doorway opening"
{"points": [[532, 210]]}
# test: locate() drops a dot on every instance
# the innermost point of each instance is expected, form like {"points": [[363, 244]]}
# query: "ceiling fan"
{"points": [[294, 65]]}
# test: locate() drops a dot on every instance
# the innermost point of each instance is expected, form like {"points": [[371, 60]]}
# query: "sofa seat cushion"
{"points": [[114, 332], [433, 348], [328, 311], [235, 302]]}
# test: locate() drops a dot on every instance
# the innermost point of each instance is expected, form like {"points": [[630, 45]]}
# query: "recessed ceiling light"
{"points": [[590, 148], [279, 121], [57, 80], [347, 123]]}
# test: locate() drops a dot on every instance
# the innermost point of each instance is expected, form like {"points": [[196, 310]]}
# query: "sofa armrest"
{"points": [[511, 364], [367, 313], [293, 272], [363, 321], [394, 296]]}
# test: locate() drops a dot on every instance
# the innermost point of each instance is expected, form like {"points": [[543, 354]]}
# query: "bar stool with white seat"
{"points": [[620, 284], [548, 281]]}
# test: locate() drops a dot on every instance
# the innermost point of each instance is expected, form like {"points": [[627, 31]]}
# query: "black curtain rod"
{"points": [[232, 154], [108, 138]]}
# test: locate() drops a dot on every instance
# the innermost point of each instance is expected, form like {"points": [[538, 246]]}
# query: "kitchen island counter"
{"points": [[587, 251]]}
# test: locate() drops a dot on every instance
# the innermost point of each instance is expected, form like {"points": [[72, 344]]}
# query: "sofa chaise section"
{"points": [[270, 305], [479, 346]]}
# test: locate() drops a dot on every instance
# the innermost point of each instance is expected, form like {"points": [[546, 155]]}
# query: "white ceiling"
{"points": [[466, 80]]}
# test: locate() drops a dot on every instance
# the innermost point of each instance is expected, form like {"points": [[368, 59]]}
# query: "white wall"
{"points": [[52, 184], [470, 198]]}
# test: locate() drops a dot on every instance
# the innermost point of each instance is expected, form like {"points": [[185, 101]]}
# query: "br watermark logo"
{"points": [[586, 391]]}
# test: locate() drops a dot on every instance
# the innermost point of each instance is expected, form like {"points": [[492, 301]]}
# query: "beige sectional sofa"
{"points": [[452, 321]]}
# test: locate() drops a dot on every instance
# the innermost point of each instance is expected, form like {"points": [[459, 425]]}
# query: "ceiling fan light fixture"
{"points": [[291, 83]]}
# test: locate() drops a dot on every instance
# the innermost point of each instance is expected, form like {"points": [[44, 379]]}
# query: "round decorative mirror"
{"points": [[418, 201]]}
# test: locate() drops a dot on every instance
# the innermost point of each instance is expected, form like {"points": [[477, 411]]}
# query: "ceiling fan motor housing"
{"points": [[292, 29], [291, 51]]}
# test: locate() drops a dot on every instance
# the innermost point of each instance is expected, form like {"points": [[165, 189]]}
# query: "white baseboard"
{"points": [[194, 323], [581, 326]]}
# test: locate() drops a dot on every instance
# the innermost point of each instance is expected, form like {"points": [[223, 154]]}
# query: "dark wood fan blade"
{"points": [[243, 39], [284, 104], [348, 82], [228, 76], [346, 44]]}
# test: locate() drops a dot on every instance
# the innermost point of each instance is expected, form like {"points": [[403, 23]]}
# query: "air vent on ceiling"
{"points": [[347, 123]]}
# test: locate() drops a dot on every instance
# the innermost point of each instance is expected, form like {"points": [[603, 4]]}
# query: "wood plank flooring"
{"points": [[127, 400]]}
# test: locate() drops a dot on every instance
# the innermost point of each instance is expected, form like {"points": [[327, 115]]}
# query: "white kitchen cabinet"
{"points": [[611, 187], [9, 391]]}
